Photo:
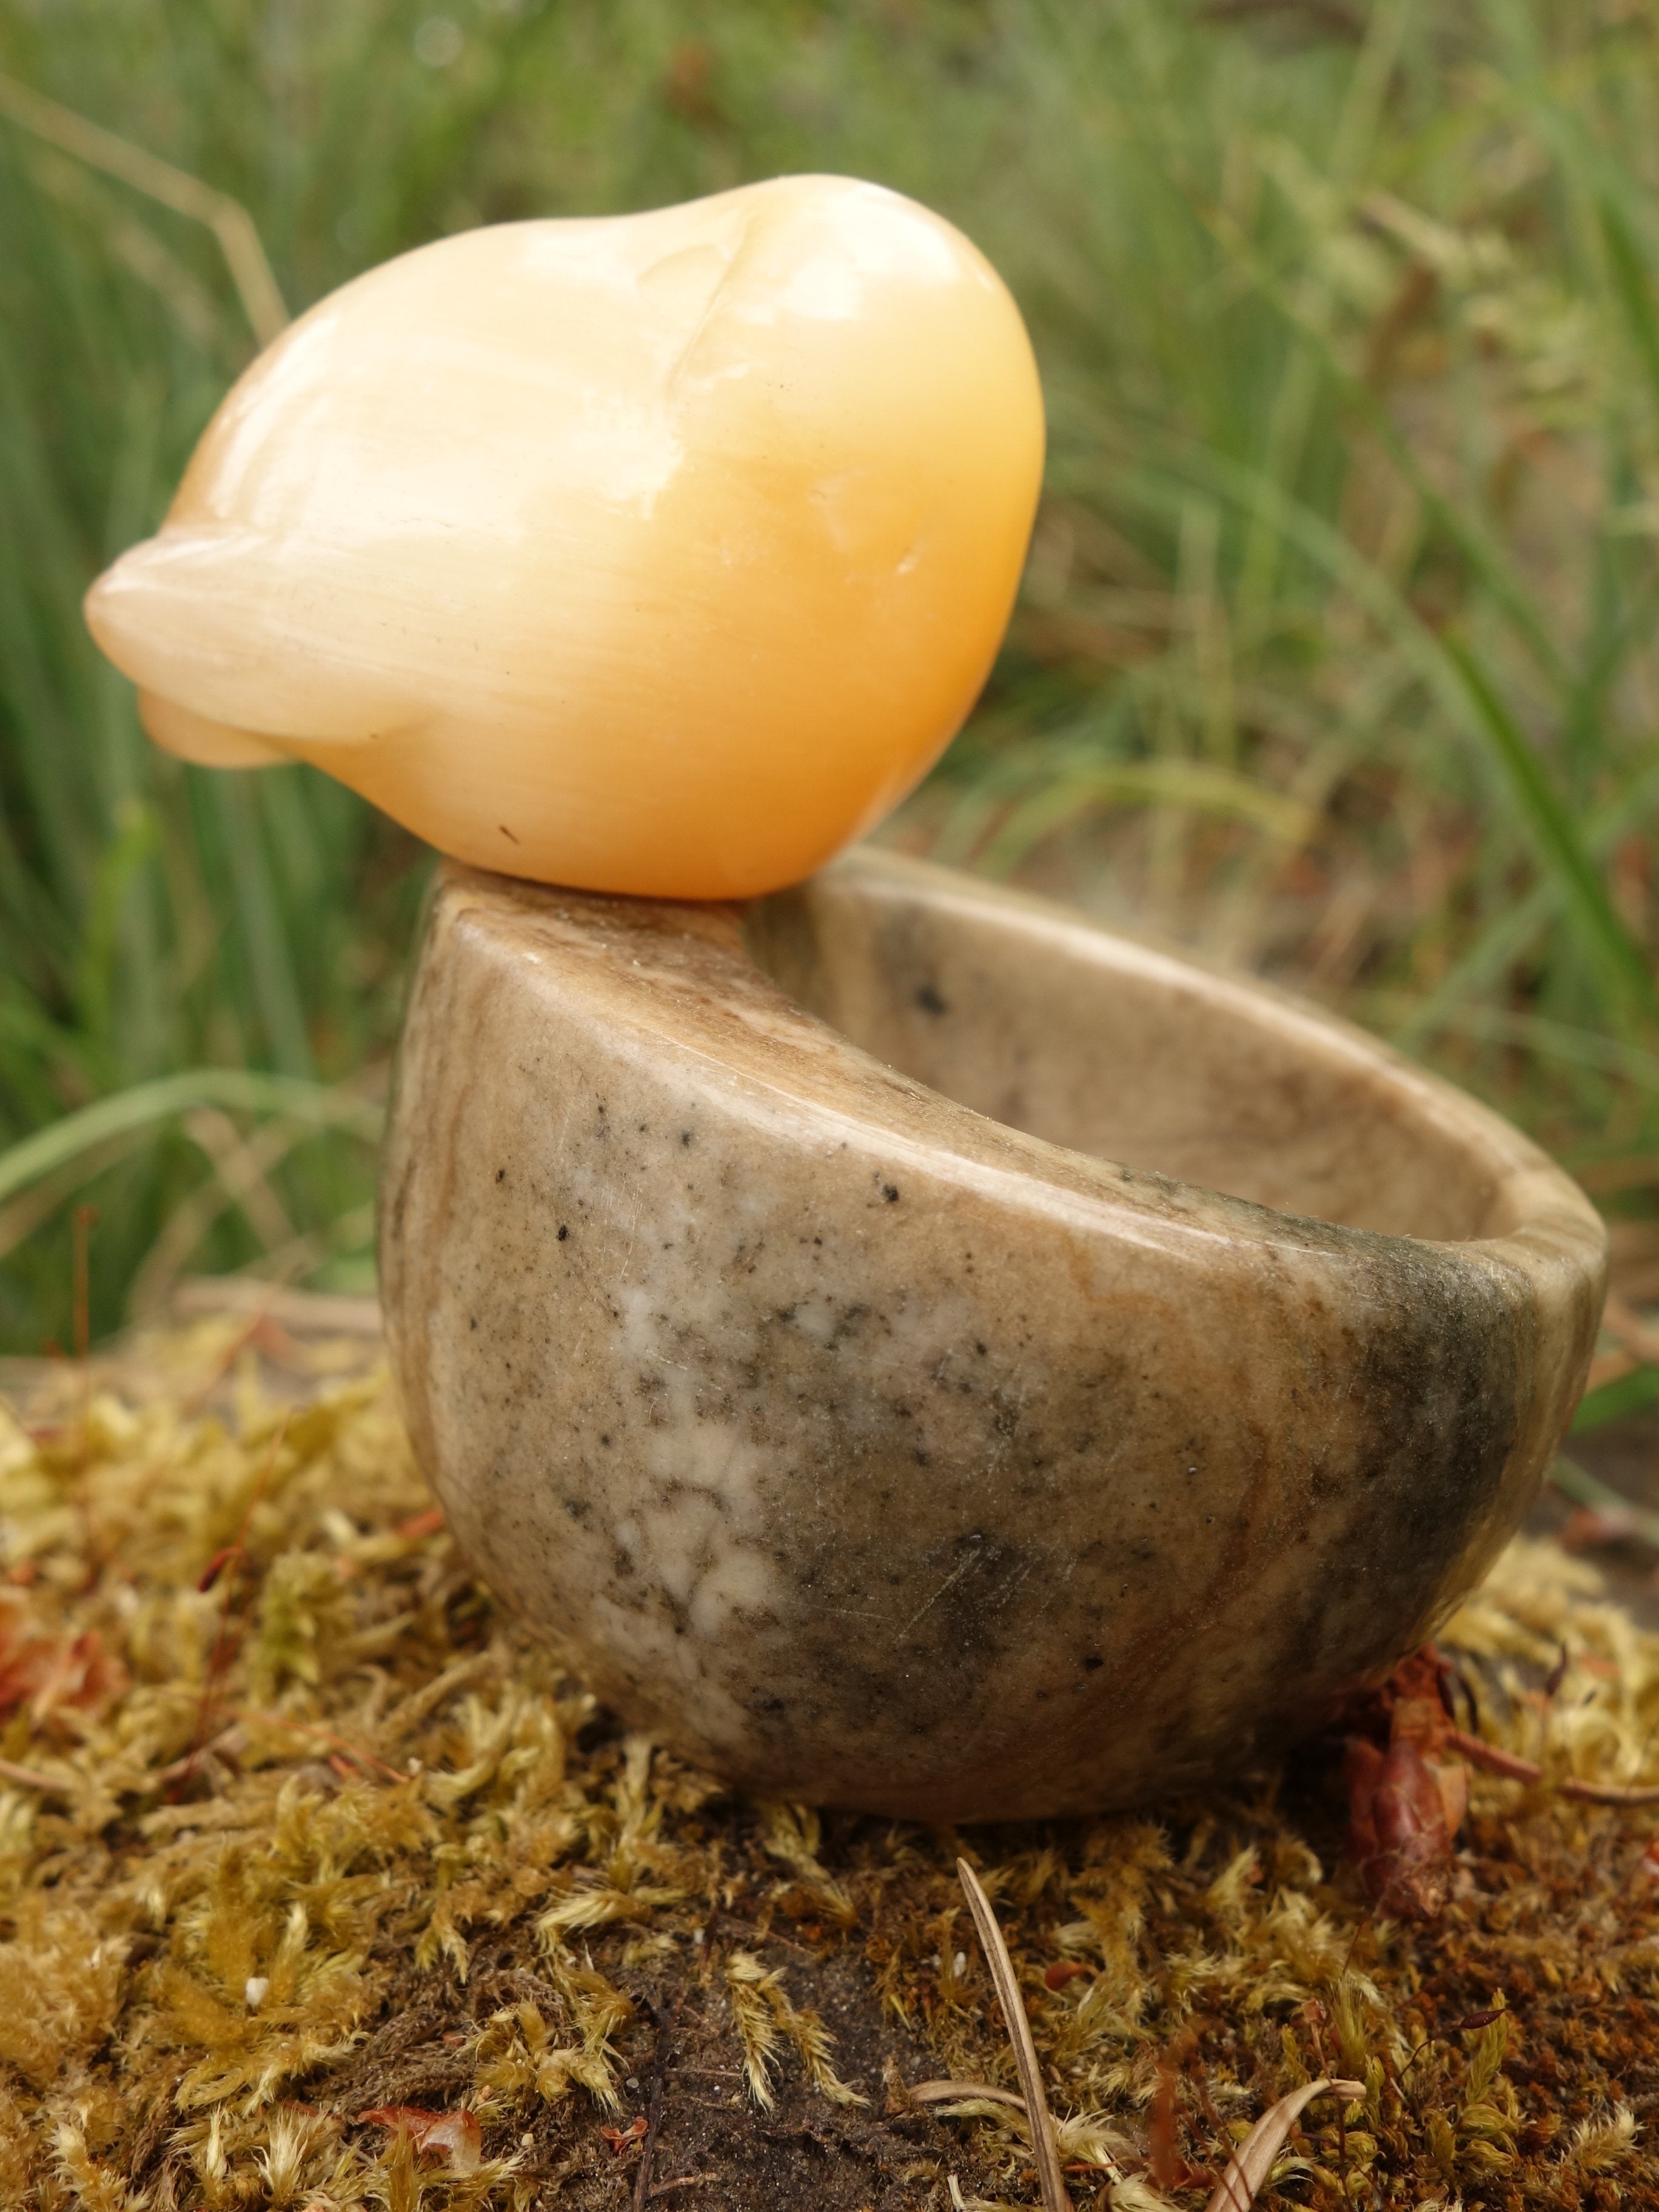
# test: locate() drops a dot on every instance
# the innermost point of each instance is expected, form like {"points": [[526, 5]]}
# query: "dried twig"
{"points": [[1513, 1768], [198, 1298], [222, 1366], [658, 2069], [240, 1169], [1624, 1515], [83, 1221], [1044, 2144], [218, 1658], [230, 1739], [952, 2092], [1630, 1330], [1608, 1793], [30, 1778], [1253, 2162], [340, 1743]]}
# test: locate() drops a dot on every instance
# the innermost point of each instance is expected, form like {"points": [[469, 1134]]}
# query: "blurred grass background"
{"points": [[1336, 651]]}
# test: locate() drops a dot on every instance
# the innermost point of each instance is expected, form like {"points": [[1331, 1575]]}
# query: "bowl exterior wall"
{"points": [[878, 1456]]}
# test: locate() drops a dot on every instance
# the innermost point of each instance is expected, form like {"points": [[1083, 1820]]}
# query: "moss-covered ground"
{"points": [[295, 1827]]}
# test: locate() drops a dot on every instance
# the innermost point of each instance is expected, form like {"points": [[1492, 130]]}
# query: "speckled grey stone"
{"points": [[826, 1323]]}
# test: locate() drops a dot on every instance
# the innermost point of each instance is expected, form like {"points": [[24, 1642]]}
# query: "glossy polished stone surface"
{"points": [[914, 1350], [657, 553]]}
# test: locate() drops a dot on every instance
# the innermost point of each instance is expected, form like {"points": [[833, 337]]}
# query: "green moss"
{"points": [[331, 1840]]}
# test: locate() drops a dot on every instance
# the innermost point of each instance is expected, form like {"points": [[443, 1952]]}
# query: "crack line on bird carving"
{"points": [[706, 312]]}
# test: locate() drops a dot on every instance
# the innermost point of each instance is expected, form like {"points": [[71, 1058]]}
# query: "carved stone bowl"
{"points": [[913, 1349]]}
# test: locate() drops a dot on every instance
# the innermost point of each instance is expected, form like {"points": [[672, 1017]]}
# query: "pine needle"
{"points": [[1054, 2196], [1253, 2162]]}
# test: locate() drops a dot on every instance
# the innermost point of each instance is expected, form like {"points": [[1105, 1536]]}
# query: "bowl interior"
{"points": [[1111, 1048]]}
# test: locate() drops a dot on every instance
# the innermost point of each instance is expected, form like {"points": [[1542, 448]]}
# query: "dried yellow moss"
{"points": [[252, 1834]]}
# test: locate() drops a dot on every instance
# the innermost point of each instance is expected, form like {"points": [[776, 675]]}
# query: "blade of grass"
{"points": [[1589, 169], [1633, 282], [228, 219], [1609, 945], [1294, 407], [1611, 1401], [1451, 669], [145, 1105], [1105, 157], [1486, 557], [266, 942], [1511, 935], [1536, 1034], [1184, 783]]}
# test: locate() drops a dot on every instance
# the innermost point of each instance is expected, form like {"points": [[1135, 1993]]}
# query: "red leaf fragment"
{"points": [[1063, 1971], [454, 2136], [620, 2139], [47, 1672], [1404, 1809], [1168, 2169], [1590, 1528]]}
